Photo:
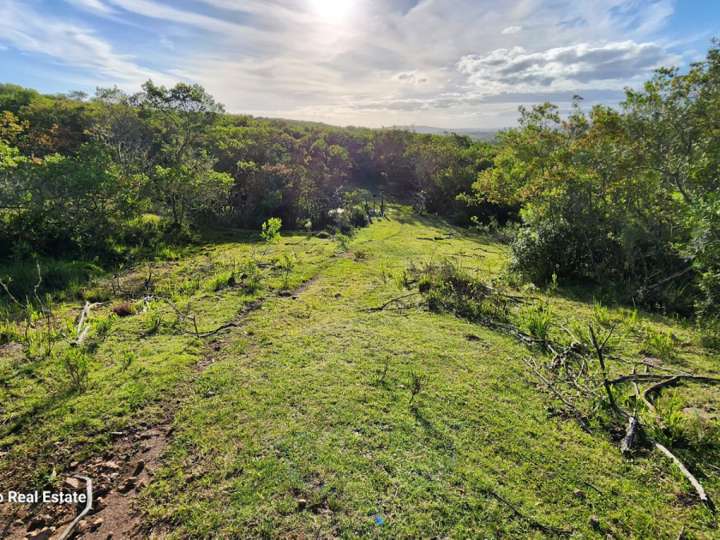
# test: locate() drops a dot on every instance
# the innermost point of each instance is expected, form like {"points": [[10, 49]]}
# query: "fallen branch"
{"points": [[547, 529], [687, 474], [599, 351], [391, 302], [83, 327], [649, 377], [631, 435], [576, 413]]}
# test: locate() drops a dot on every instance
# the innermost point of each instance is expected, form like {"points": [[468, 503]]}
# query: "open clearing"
{"points": [[299, 421]]}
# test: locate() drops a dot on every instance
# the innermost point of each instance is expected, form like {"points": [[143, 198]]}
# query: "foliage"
{"points": [[76, 365], [270, 231], [449, 288], [621, 198]]}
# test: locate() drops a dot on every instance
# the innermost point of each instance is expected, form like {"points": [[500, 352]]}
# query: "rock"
{"points": [[37, 522], [140, 467], [578, 494], [96, 524], [82, 527], [110, 465], [302, 504], [72, 483], [42, 534], [127, 486], [98, 504], [285, 294]]}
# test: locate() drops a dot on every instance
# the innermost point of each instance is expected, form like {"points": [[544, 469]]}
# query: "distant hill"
{"points": [[480, 134]]}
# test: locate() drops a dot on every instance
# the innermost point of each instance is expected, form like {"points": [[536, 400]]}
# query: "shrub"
{"points": [[658, 345], [76, 365], [448, 288], [538, 320], [710, 334], [270, 230], [251, 277], [358, 217]]}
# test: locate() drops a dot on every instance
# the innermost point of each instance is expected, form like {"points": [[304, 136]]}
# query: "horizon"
{"points": [[447, 64]]}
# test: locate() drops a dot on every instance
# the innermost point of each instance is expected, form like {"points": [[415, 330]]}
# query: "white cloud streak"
{"points": [[409, 61]]}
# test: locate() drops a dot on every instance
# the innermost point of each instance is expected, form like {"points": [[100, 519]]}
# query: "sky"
{"points": [[444, 63]]}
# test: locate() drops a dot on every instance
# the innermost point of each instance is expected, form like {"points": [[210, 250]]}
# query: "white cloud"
{"points": [[562, 67], [95, 6], [31, 32], [414, 61], [410, 77]]}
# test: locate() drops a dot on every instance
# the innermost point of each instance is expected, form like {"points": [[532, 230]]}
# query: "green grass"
{"points": [[43, 410], [306, 425]]}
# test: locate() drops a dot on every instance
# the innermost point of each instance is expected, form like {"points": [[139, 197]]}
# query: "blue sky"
{"points": [[446, 63]]}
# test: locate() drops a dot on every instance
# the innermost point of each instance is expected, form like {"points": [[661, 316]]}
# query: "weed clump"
{"points": [[450, 289], [76, 365]]}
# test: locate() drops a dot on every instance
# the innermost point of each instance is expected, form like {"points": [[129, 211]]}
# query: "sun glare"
{"points": [[332, 10]]}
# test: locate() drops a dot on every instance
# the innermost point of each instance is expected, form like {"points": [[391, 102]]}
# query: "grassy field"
{"points": [[319, 417]]}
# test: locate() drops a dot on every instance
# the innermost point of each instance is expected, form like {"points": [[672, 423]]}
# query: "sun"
{"points": [[332, 10]]}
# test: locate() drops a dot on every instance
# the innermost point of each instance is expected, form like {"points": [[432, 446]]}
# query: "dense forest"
{"points": [[624, 199]]}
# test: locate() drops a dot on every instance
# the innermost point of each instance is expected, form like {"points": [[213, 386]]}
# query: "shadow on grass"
{"points": [[22, 421]]}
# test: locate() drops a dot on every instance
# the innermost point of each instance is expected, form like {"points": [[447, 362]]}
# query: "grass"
{"points": [[319, 418]]}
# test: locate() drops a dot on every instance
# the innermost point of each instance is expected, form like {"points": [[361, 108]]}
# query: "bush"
{"points": [[538, 320], [450, 289], [76, 365], [358, 217]]}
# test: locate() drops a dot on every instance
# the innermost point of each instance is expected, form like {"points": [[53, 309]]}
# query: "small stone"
{"points": [[302, 504], [72, 483], [96, 524], [578, 494], [111, 465], [36, 523], [42, 534], [285, 294], [74, 464], [140, 467], [127, 486]]}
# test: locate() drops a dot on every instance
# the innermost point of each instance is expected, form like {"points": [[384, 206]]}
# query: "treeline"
{"points": [[102, 176], [626, 198]]}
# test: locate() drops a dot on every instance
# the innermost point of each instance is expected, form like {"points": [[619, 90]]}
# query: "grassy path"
{"points": [[303, 426]]}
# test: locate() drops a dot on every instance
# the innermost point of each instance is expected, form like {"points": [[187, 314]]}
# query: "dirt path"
{"points": [[120, 475]]}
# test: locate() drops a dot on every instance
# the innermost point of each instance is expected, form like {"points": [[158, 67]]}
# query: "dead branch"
{"points": [[547, 529], [599, 351], [576, 413], [675, 379], [391, 302], [83, 327], [631, 435], [687, 474]]}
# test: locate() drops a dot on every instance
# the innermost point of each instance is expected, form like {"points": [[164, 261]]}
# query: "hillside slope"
{"points": [[313, 415]]}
